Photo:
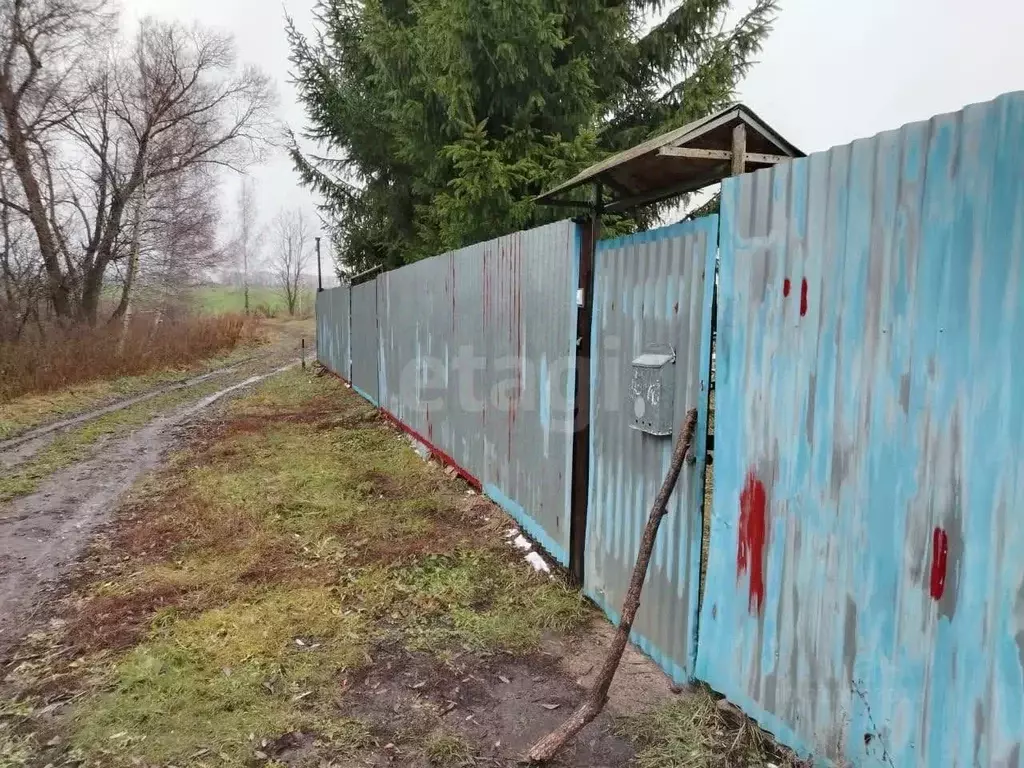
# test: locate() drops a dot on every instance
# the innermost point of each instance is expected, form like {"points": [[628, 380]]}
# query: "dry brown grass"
{"points": [[700, 730], [66, 357]]}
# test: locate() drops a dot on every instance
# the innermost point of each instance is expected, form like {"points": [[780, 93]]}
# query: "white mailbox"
{"points": [[652, 390]]}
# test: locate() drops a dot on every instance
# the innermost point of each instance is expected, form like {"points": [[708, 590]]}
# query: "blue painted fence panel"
{"points": [[651, 288], [865, 592], [333, 309]]}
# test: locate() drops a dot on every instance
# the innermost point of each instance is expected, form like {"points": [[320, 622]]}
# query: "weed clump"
{"points": [[694, 731], [445, 750]]}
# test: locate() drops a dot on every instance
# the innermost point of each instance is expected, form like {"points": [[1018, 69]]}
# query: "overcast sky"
{"points": [[832, 71]]}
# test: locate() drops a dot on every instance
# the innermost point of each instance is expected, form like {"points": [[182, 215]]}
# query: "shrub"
{"points": [[57, 358]]}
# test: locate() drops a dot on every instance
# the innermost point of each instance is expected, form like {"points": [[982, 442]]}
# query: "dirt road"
{"points": [[44, 532]]}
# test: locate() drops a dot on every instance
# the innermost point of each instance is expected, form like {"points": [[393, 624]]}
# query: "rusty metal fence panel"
{"points": [[365, 343], [865, 593], [478, 360], [332, 330], [653, 288]]}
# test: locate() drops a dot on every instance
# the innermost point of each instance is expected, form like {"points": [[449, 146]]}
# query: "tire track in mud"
{"points": [[16, 450], [42, 534]]}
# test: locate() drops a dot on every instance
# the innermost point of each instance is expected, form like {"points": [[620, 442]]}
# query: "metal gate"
{"points": [[652, 354]]}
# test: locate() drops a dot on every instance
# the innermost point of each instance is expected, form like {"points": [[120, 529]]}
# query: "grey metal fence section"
{"points": [[865, 594], [332, 330], [653, 295], [365, 341], [478, 359]]}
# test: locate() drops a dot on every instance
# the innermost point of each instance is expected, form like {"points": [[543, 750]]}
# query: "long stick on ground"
{"points": [[548, 747]]}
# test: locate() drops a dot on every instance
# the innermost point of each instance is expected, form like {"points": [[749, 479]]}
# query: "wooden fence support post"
{"points": [[580, 481]]}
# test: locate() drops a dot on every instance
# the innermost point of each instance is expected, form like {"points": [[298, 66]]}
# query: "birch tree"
{"points": [[291, 253]]}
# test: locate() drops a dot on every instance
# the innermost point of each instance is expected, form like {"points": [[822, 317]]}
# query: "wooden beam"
{"points": [[695, 154], [717, 173], [739, 149], [756, 157], [690, 153]]}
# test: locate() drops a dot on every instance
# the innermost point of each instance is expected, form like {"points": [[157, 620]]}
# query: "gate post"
{"points": [[581, 436]]}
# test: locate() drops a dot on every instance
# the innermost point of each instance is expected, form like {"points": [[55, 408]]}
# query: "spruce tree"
{"points": [[440, 120]]}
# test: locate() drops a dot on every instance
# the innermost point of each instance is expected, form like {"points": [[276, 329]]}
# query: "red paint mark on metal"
{"points": [[486, 305], [753, 533], [486, 299], [786, 287], [803, 297], [515, 330], [435, 452], [451, 260], [940, 548]]}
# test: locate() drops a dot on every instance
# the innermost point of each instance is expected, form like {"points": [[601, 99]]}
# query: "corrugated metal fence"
{"points": [[474, 353], [650, 289], [865, 595], [333, 310], [365, 345], [864, 591]]}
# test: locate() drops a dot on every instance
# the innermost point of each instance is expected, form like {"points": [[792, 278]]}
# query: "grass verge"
{"points": [[293, 553]]}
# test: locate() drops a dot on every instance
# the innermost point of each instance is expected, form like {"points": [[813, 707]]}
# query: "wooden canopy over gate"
{"points": [[730, 142]]}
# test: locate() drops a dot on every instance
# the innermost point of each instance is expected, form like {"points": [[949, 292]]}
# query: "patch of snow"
{"points": [[522, 543], [511, 533], [538, 562], [420, 448]]}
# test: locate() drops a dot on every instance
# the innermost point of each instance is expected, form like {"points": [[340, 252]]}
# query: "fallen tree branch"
{"points": [[545, 749]]}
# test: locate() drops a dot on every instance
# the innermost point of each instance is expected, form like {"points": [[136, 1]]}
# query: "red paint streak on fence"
{"points": [[484, 299], [451, 260], [803, 297], [485, 302], [435, 452], [515, 330], [786, 287], [753, 533], [940, 548]]}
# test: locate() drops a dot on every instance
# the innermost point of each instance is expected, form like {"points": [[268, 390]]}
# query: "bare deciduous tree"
{"points": [[181, 240], [21, 272], [42, 45], [247, 242], [177, 101], [292, 235]]}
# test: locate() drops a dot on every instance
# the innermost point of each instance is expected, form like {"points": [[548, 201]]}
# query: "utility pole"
{"points": [[319, 273]]}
